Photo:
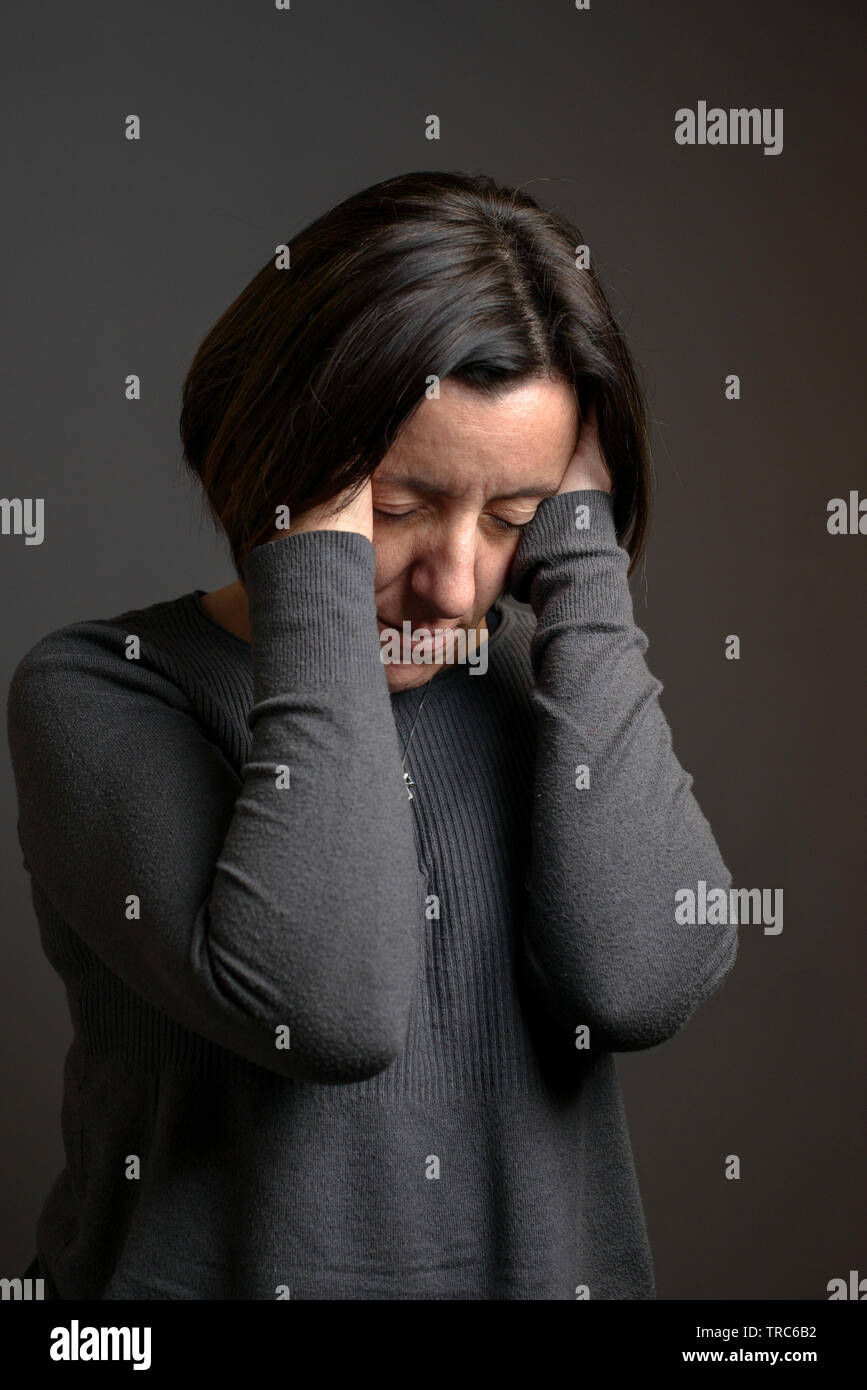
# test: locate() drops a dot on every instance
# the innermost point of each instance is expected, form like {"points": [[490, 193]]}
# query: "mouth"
{"points": [[430, 644]]}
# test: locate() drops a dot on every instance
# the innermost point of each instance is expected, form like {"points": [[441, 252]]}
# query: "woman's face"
{"points": [[447, 517]]}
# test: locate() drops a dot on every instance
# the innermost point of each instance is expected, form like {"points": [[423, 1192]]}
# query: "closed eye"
{"points": [[509, 525], [499, 520]]}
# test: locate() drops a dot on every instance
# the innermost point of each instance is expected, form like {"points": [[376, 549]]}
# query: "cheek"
{"points": [[392, 558], [493, 571]]}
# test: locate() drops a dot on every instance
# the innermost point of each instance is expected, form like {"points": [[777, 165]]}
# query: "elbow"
{"points": [[343, 1046], [636, 1030], [644, 1017], [339, 1021], [339, 1071], [626, 1008], [343, 1060]]}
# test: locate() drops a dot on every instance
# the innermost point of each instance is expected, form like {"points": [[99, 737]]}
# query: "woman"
{"points": [[350, 942]]}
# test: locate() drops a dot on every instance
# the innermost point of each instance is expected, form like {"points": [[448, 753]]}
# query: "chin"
{"points": [[402, 676]]}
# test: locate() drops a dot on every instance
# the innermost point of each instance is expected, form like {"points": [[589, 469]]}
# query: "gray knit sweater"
{"points": [[330, 1043]]}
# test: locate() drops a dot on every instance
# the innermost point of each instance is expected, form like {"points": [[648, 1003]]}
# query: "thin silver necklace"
{"points": [[407, 777]]}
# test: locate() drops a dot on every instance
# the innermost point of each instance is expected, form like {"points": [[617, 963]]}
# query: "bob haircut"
{"points": [[299, 389]]}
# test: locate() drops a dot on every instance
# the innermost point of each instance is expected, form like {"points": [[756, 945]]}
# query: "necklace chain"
{"points": [[407, 777]]}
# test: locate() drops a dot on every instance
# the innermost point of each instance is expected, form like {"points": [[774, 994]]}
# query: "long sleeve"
{"points": [[601, 944], [287, 898]]}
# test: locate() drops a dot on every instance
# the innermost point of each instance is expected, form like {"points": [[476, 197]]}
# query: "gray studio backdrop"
{"points": [[718, 259]]}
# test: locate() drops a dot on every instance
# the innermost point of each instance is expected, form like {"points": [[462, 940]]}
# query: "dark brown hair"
{"points": [[301, 386]]}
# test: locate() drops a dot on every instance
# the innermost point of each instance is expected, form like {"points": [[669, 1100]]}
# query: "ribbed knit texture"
{"points": [[432, 1131]]}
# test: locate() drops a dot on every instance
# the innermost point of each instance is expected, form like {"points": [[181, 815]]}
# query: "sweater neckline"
{"points": [[193, 601]]}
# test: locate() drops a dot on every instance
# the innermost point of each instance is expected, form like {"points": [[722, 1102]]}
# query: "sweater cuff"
{"points": [[571, 532], [313, 611]]}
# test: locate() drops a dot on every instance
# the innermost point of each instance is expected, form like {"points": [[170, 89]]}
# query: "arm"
{"points": [[601, 945], [260, 906]]}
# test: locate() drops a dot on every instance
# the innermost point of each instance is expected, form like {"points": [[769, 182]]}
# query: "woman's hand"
{"points": [[586, 468], [352, 516]]}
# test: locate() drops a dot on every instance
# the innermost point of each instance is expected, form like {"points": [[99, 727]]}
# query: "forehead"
{"points": [[466, 444]]}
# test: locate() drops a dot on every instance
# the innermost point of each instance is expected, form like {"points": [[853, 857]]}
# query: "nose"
{"points": [[444, 572]]}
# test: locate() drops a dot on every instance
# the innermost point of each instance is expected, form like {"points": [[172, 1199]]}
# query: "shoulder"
{"points": [[96, 665]]}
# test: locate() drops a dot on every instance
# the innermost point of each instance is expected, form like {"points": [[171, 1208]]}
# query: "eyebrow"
{"points": [[417, 485]]}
